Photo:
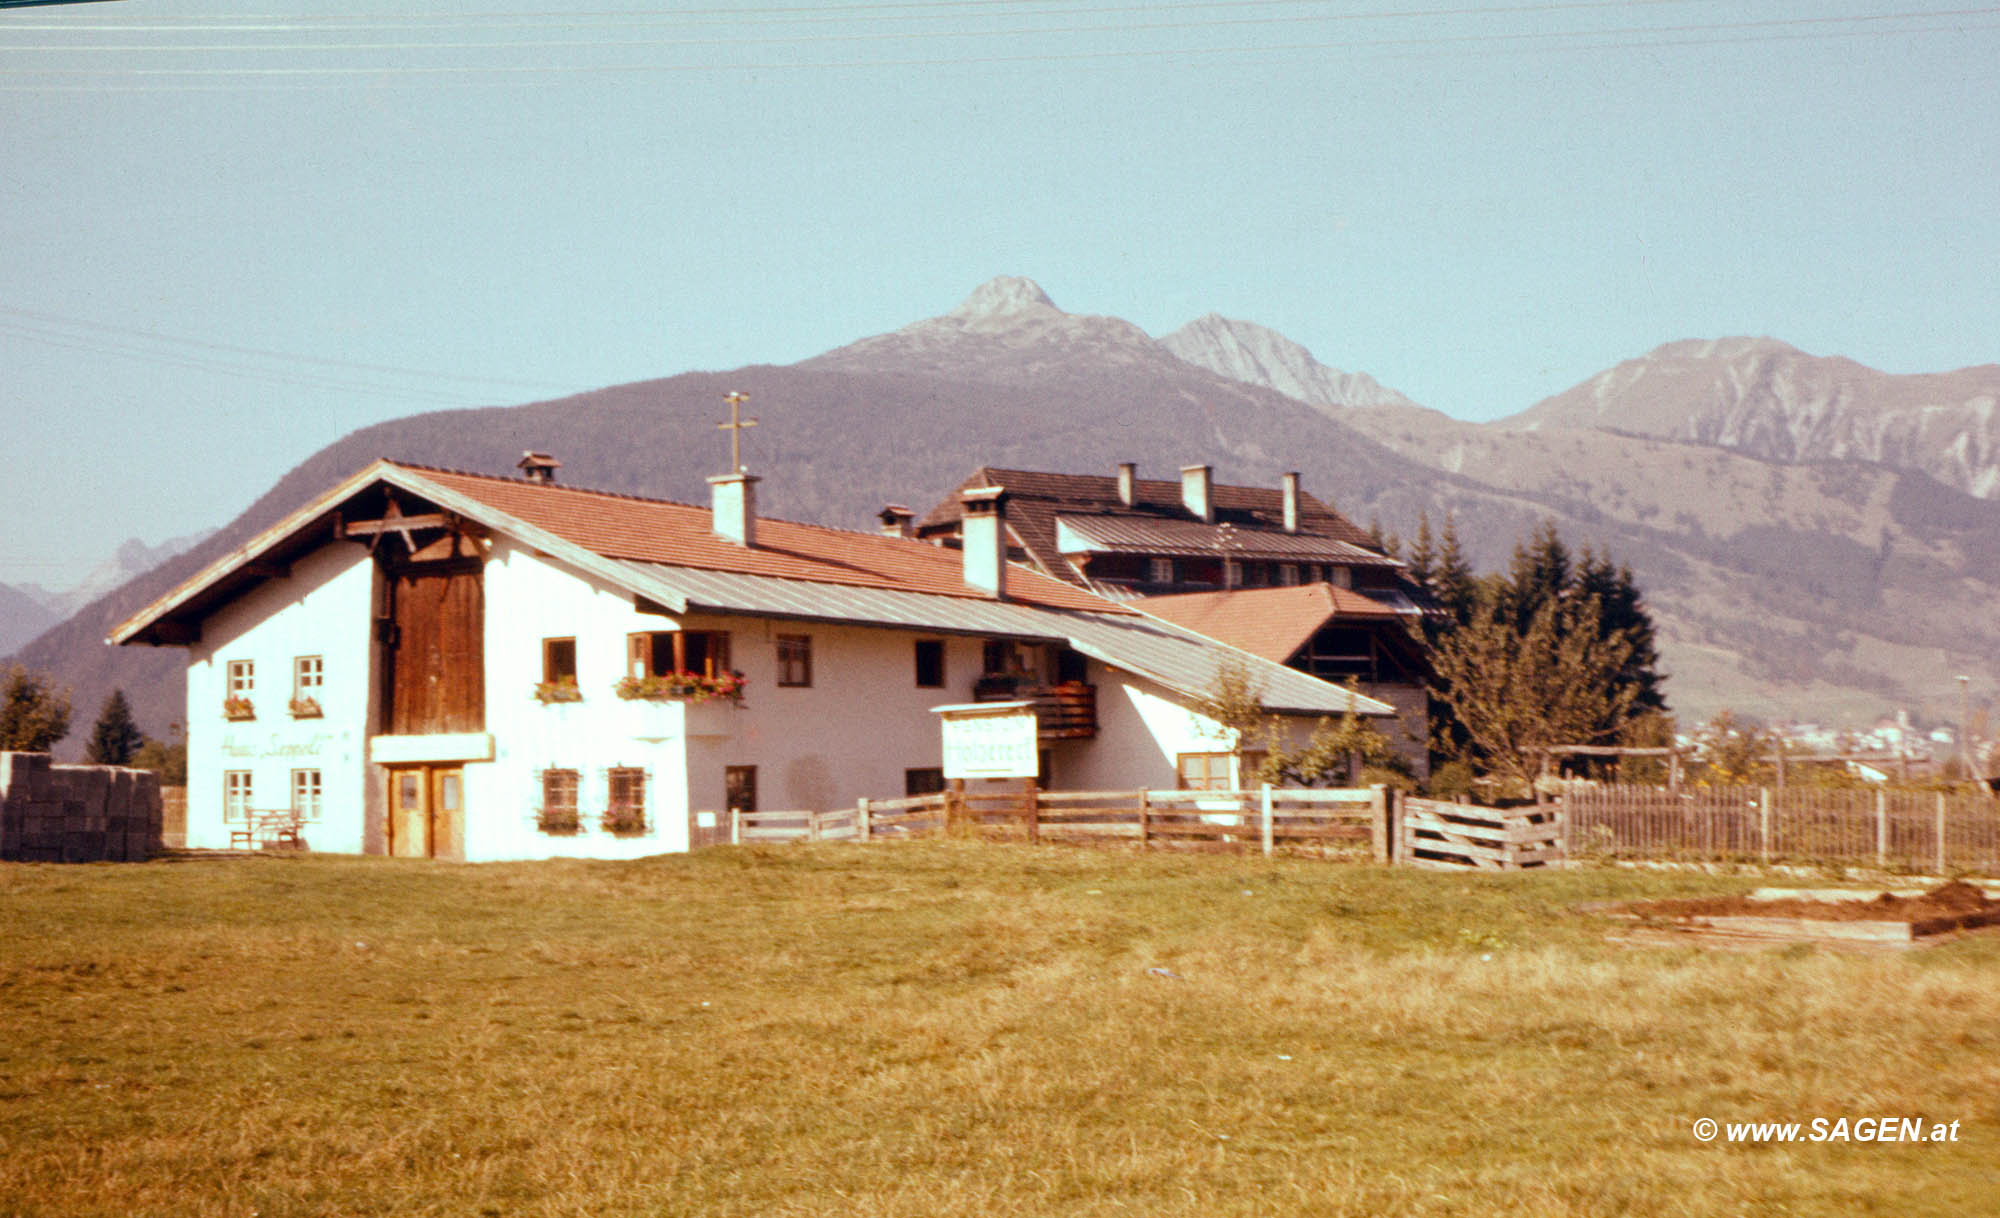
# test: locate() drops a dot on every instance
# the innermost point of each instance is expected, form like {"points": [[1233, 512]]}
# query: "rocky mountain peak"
{"points": [[1245, 351], [1001, 296]]}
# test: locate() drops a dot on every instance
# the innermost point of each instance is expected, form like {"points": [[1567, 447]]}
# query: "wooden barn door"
{"points": [[437, 653]]}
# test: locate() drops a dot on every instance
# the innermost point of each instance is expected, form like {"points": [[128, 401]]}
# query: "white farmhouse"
{"points": [[431, 663]]}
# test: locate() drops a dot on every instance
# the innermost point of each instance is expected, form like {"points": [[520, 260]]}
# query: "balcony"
{"points": [[1062, 712]]}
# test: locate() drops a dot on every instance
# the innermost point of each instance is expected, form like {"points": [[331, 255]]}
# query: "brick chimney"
{"points": [[1291, 489], [983, 539], [1128, 483], [733, 498], [1197, 487], [897, 521], [538, 467]]}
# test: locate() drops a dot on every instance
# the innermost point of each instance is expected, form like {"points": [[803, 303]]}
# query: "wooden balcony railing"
{"points": [[1062, 712]]}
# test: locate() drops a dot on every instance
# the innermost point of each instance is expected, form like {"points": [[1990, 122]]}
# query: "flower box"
{"points": [[306, 708], [624, 822], [692, 686], [238, 709], [548, 692], [559, 822]]}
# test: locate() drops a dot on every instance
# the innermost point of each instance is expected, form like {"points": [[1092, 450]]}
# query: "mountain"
{"points": [[1245, 351], [1830, 590], [1770, 400], [23, 615]]}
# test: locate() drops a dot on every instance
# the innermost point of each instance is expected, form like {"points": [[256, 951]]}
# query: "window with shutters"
{"points": [[558, 813]]}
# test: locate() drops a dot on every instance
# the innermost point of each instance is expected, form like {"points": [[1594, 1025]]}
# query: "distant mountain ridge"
{"points": [[1837, 589], [1771, 400], [1245, 351]]}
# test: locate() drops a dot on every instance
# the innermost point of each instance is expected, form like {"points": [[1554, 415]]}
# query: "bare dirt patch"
{"points": [[1888, 918]]}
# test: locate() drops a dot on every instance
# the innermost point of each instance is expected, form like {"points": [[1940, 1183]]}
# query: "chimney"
{"points": [[897, 521], [983, 539], [734, 500], [1291, 483], [1195, 491], [1128, 483], [538, 467]]}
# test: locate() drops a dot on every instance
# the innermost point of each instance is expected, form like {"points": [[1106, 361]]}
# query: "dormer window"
{"points": [[1162, 571]]}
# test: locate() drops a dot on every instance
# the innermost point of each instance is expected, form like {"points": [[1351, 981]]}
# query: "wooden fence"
{"points": [[1369, 822], [1908, 830]]}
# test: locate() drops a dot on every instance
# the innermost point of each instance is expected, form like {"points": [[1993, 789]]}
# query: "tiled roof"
{"points": [[1269, 622], [1036, 497], [1193, 539], [680, 535]]}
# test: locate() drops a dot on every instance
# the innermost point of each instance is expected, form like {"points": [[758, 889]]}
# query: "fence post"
{"points": [[1145, 819], [812, 825], [1034, 813], [1940, 833], [861, 826], [736, 826], [1881, 828], [1378, 823], [1267, 820], [1764, 821]]}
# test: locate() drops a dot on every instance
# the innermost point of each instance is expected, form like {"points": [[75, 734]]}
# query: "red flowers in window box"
{"points": [[692, 686]]}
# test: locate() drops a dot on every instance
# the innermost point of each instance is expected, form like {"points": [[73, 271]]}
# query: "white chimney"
{"points": [[734, 501], [983, 539], [1128, 483], [897, 521], [1195, 491], [1291, 502]]}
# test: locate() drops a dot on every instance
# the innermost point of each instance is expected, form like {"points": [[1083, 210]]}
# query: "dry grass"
{"points": [[948, 1029]]}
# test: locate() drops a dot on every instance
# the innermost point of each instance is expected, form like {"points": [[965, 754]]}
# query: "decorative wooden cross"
{"points": [[735, 427]]}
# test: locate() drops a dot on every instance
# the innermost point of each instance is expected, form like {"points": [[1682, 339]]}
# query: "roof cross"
{"points": [[735, 427]]}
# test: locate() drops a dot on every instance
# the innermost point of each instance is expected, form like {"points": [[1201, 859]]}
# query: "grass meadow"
{"points": [[950, 1028]]}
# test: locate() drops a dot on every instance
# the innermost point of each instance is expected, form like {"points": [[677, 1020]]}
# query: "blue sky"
{"points": [[226, 242]]}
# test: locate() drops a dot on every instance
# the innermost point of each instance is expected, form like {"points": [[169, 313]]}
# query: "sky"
{"points": [[228, 238]]}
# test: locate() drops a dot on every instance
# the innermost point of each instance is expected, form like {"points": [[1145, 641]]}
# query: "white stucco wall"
{"points": [[323, 608]]}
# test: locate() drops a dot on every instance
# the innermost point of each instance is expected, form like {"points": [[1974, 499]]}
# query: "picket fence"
{"points": [[1926, 831], [1352, 822]]}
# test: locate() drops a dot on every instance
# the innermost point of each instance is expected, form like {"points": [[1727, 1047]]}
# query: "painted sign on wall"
{"points": [[995, 740]]}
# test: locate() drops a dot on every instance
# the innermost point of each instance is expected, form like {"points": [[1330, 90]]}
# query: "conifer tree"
{"points": [[116, 738]]}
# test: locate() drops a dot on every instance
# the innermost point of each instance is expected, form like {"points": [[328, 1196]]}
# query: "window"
{"points": [[242, 678], [625, 807], [1162, 570], [1204, 771], [740, 788], [1341, 577], [308, 675], [558, 814], [658, 653], [795, 660], [1338, 652], [236, 796], [925, 781], [1072, 667], [1232, 573], [1288, 574], [930, 663], [306, 795], [559, 661]]}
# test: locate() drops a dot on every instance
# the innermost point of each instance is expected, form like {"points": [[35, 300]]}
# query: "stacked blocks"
{"points": [[77, 813]]}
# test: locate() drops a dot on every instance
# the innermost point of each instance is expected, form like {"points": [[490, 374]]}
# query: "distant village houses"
{"points": [[426, 662]]}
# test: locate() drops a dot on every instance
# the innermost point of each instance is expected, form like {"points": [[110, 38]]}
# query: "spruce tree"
{"points": [[116, 738]]}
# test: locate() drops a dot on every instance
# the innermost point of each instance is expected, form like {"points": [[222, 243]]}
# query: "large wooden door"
{"points": [[427, 812], [437, 654]]}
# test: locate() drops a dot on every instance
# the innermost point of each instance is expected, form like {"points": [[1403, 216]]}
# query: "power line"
{"points": [[1645, 36], [57, 319]]}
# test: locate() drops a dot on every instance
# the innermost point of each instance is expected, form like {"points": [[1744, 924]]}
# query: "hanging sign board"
{"points": [[990, 740]]}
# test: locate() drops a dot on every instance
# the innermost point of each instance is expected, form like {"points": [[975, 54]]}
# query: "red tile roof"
{"points": [[1269, 622], [679, 534]]}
